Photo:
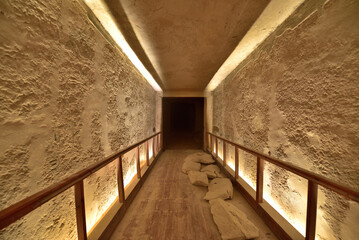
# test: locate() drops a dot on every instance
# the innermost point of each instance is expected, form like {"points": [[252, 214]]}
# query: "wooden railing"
{"points": [[313, 179], [23, 207]]}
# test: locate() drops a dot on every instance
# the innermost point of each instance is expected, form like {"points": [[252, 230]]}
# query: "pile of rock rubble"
{"points": [[231, 222]]}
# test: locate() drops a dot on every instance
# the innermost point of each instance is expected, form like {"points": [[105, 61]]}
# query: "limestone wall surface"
{"points": [[68, 98], [297, 97]]}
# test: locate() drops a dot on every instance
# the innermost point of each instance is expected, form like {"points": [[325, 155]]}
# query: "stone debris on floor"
{"points": [[190, 166], [219, 188], [231, 222], [200, 157], [169, 207], [212, 171], [198, 178]]}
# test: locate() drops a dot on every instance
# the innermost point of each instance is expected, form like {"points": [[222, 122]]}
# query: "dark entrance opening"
{"points": [[183, 123]]}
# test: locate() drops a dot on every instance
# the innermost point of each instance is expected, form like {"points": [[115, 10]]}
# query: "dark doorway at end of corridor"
{"points": [[183, 122]]}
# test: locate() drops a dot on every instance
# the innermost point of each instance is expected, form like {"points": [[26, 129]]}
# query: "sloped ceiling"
{"points": [[183, 43]]}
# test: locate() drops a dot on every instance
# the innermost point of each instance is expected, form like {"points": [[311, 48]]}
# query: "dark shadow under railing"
{"points": [[18, 210], [313, 179]]}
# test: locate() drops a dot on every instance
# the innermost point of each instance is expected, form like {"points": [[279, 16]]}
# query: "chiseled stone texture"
{"points": [[68, 98], [200, 157], [297, 96], [232, 223], [198, 178], [219, 188]]}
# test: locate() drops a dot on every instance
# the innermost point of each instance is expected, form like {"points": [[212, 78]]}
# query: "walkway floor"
{"points": [[168, 206]]}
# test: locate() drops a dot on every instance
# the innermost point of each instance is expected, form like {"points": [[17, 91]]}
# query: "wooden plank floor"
{"points": [[168, 206]]}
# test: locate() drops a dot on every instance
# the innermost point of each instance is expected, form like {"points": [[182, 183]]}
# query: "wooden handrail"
{"points": [[23, 207], [346, 191], [313, 181]]}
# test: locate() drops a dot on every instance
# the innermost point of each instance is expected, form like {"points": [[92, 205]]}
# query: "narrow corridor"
{"points": [[168, 206], [101, 100]]}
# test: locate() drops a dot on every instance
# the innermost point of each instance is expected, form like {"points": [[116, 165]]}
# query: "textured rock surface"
{"points": [[219, 188], [212, 171], [67, 99], [297, 97], [200, 157], [231, 222], [198, 178]]}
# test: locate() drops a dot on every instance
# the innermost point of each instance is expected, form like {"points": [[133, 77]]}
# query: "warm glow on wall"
{"points": [[246, 179], [142, 159], [298, 222], [230, 151], [220, 155], [231, 164], [100, 191], [299, 200], [129, 175], [244, 170], [93, 219], [273, 16], [150, 147], [300, 226], [129, 159], [220, 149], [100, 9], [296, 195]]}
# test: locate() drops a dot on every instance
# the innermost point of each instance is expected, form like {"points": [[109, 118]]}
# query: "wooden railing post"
{"points": [[311, 210], [121, 190], [216, 148], [259, 190], [80, 210], [147, 154], [153, 147], [138, 163], [158, 143], [210, 143], [224, 154], [154, 143], [236, 162], [18, 210]]}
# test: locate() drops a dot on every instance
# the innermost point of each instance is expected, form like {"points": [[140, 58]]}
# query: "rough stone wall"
{"points": [[68, 98], [297, 97]]}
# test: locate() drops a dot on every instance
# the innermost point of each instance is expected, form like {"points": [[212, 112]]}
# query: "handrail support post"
{"points": [[224, 154], [259, 185], [138, 165], [147, 154], [80, 210], [158, 143], [120, 185], [236, 162], [153, 147], [216, 148], [311, 210]]}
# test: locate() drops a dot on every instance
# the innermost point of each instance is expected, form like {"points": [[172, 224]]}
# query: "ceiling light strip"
{"points": [[276, 12], [102, 13]]}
